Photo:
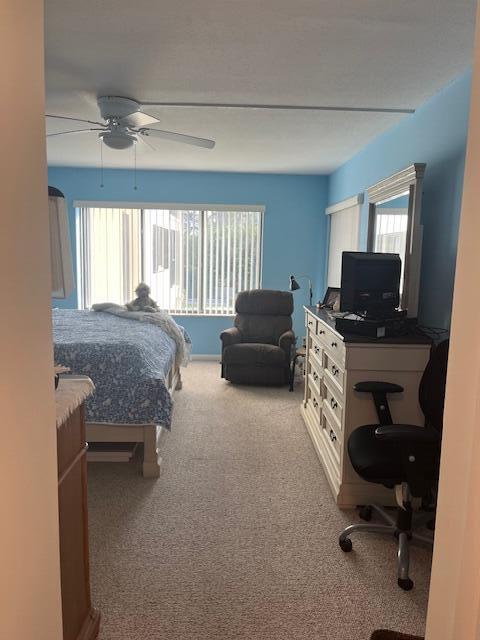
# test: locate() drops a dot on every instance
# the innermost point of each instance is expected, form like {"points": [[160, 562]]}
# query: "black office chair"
{"points": [[400, 456]]}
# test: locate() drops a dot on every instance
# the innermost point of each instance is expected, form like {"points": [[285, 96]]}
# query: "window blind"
{"points": [[344, 223], [194, 260]]}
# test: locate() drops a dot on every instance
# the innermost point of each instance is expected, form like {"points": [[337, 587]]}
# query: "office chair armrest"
{"points": [[407, 433], [377, 387], [230, 336], [286, 341]]}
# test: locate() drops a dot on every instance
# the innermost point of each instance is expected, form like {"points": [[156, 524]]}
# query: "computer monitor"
{"points": [[370, 283]]}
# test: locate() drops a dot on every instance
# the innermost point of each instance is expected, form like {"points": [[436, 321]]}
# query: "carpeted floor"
{"points": [[238, 538]]}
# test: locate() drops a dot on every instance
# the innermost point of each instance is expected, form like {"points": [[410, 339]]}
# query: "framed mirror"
{"points": [[394, 227]]}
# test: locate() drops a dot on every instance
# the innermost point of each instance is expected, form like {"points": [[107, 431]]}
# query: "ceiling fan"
{"points": [[125, 124]]}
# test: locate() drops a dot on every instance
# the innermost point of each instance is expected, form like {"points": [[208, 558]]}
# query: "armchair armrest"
{"points": [[377, 387], [407, 433], [230, 336], [286, 341]]}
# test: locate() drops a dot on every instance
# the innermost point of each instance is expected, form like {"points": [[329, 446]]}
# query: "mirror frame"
{"points": [[408, 180]]}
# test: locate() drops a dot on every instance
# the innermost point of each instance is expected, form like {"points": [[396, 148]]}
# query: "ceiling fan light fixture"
{"points": [[118, 140]]}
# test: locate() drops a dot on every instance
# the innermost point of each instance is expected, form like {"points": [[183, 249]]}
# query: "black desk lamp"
{"points": [[294, 286]]}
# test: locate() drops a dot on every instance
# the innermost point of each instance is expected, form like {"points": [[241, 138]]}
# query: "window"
{"points": [[160, 246], [194, 260], [390, 227], [344, 222]]}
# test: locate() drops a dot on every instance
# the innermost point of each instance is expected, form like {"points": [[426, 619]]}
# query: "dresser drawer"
{"points": [[333, 372], [315, 375], [317, 360], [331, 438], [314, 400], [334, 402], [332, 343], [316, 348], [311, 323]]}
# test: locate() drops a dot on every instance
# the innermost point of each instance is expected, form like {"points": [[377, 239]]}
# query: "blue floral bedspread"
{"points": [[127, 360]]}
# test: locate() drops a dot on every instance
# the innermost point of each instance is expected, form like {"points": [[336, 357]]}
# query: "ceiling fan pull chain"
{"points": [[135, 166], [101, 163]]}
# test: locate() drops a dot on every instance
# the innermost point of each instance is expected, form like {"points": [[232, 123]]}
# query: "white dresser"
{"points": [[332, 409]]}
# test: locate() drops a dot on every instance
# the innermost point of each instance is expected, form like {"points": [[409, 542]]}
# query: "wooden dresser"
{"points": [[80, 620], [331, 408]]}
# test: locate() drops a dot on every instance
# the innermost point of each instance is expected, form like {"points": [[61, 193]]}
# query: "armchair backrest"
{"points": [[263, 315]]}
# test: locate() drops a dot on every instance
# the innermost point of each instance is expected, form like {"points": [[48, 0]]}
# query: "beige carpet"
{"points": [[238, 538]]}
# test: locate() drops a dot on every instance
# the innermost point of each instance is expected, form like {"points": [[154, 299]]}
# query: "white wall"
{"points": [[30, 607], [454, 608]]}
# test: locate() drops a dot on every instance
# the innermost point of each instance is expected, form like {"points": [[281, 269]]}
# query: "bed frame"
{"points": [[150, 435]]}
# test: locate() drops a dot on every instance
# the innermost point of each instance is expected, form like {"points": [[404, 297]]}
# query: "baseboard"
{"points": [[207, 356], [91, 626]]}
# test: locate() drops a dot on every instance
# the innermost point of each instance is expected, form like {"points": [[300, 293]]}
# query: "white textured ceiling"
{"points": [[380, 53]]}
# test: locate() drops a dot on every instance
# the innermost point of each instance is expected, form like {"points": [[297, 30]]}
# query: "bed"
{"points": [[132, 365]]}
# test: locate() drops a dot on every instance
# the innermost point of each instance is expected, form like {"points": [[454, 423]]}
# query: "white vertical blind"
{"points": [[195, 261], [344, 224], [233, 261], [109, 273], [390, 233]]}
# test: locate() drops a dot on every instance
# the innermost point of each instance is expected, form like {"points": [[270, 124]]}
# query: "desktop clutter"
{"points": [[367, 302]]}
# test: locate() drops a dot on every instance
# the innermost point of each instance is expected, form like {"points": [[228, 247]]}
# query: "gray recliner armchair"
{"points": [[258, 349]]}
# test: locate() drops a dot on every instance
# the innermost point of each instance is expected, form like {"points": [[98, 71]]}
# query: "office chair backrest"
{"points": [[431, 392]]}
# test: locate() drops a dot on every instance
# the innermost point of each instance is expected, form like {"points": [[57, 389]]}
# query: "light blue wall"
{"points": [[294, 224], [295, 234], [435, 134]]}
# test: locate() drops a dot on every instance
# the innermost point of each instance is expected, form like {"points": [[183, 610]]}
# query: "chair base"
{"points": [[258, 375], [401, 529], [383, 634]]}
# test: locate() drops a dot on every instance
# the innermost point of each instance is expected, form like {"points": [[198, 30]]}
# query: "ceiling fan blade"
{"points": [[64, 133], [49, 115], [147, 143], [279, 107], [138, 119], [177, 137]]}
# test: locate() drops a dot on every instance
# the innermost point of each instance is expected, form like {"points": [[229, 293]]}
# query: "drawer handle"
{"points": [[316, 349], [335, 370], [333, 403], [334, 344], [333, 437], [315, 376], [315, 403], [321, 332], [310, 323]]}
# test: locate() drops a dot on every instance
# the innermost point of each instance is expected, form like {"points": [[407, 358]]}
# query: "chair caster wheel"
{"points": [[365, 513], [345, 545], [406, 585]]}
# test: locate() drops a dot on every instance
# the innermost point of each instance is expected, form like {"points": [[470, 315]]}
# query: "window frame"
{"points": [[182, 206]]}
